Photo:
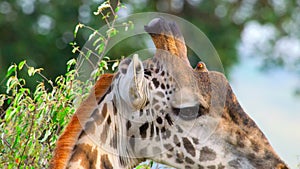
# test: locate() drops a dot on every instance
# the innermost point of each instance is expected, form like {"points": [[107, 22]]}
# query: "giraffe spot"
{"points": [[147, 72], [151, 130], [255, 147], [148, 111], [189, 160], [159, 120], [124, 70], [200, 167], [179, 156], [155, 82], [195, 140], [114, 108], [169, 147], [86, 154], [207, 154], [167, 86], [90, 127], [240, 139], [108, 120], [188, 167], [169, 155], [156, 107], [169, 120], [176, 141], [221, 166], [96, 116], [141, 112], [179, 130], [160, 94], [105, 163], [103, 135], [113, 141], [268, 155], [154, 101], [128, 125], [188, 146], [235, 164], [162, 86], [104, 110], [211, 167], [143, 129]]}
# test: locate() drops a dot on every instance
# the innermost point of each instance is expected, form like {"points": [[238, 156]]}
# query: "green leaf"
{"points": [[117, 9], [111, 32], [30, 71], [31, 107], [115, 65], [70, 63], [2, 99], [9, 113], [100, 48], [78, 26], [11, 69], [11, 83], [21, 64], [88, 54], [47, 134], [75, 49], [97, 41]]}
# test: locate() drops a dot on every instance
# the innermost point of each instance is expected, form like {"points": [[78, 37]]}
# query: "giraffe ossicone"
{"points": [[162, 109]]}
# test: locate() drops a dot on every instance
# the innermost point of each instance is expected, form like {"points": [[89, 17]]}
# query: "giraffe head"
{"points": [[186, 117], [164, 110]]}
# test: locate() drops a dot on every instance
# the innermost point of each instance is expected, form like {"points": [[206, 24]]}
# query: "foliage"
{"points": [[32, 120], [222, 21]]}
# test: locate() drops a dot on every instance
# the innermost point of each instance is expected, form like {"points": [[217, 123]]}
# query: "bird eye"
{"points": [[200, 65]]}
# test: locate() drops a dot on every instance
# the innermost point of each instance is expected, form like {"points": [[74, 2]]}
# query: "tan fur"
{"points": [[67, 140], [168, 38]]}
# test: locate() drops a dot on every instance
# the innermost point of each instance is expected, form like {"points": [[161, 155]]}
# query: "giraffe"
{"points": [[163, 109]]}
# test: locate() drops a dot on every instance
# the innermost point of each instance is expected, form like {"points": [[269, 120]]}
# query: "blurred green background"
{"points": [[40, 30], [267, 31]]}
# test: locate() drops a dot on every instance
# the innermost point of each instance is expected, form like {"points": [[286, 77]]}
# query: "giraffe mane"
{"points": [[67, 140]]}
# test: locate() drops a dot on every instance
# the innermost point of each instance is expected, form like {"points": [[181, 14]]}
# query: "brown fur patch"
{"points": [[67, 140], [102, 85], [188, 146], [86, 154], [207, 154], [167, 36], [105, 163]]}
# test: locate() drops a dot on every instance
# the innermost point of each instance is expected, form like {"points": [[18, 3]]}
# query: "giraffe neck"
{"points": [[241, 135], [102, 142]]}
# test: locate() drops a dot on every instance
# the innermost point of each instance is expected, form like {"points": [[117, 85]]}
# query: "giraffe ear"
{"points": [[132, 86]]}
